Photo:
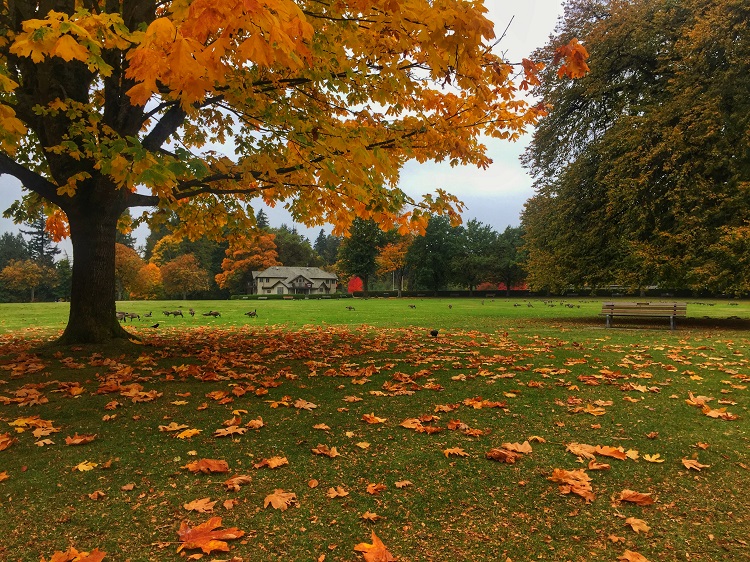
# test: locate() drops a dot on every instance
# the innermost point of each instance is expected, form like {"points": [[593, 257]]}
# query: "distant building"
{"points": [[280, 280]]}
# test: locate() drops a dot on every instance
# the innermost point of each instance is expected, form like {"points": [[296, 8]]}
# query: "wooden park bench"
{"points": [[671, 310]]}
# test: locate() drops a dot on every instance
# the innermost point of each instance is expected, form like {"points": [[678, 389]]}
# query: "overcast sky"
{"points": [[494, 196]]}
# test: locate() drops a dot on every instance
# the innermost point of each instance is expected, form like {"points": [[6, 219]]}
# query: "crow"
{"points": [[155, 325], [434, 333]]}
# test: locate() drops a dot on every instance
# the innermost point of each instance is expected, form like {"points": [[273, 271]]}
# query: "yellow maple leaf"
{"points": [[653, 458], [85, 466]]}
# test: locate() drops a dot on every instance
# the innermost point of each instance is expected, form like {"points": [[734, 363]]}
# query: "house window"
{"points": [[268, 291], [280, 291]]}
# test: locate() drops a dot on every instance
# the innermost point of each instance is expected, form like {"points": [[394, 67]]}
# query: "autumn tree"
{"points": [[127, 267], [245, 255], [108, 106], [26, 275], [392, 260], [183, 275], [147, 284], [642, 167]]}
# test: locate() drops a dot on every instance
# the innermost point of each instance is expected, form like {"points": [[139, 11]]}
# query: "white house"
{"points": [[279, 280]]}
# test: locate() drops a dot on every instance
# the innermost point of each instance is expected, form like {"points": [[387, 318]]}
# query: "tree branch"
{"points": [[30, 180]]}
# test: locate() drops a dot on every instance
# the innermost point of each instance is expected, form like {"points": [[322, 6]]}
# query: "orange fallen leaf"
{"points": [[280, 499], [206, 536], [372, 418], [330, 452], [273, 462], [128, 487], [524, 447], [302, 404], [375, 552], [503, 455], [235, 482], [174, 426], [692, 464], [322, 426], [207, 466], [337, 492], [73, 555], [229, 431], [229, 504], [403, 483], [312, 483], [370, 516], [203, 505], [96, 495], [636, 497], [573, 481], [85, 466], [187, 434], [456, 452], [653, 458], [3, 475], [255, 424], [374, 489], [631, 556], [594, 465], [637, 525], [80, 439]]}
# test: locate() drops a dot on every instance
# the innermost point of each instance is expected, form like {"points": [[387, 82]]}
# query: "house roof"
{"points": [[289, 273]]}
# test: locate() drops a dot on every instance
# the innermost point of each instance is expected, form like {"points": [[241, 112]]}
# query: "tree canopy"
{"points": [[197, 108], [643, 166]]}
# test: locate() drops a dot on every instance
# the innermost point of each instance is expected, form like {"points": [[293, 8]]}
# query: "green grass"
{"points": [[542, 362]]}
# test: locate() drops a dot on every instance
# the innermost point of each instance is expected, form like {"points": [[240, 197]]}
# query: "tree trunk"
{"points": [[92, 299]]}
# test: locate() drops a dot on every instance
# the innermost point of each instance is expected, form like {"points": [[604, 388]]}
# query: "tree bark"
{"points": [[92, 299]]}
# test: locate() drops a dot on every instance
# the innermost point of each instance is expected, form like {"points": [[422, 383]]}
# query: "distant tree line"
{"points": [[446, 257], [28, 268], [470, 256]]}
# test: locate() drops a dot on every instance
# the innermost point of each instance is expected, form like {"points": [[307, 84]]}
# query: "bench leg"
{"points": [[672, 322], [609, 318]]}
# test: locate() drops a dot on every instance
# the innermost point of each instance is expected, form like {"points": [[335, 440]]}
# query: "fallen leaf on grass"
{"points": [[573, 481], [370, 516], [636, 497], [302, 404], [174, 426], [373, 419], [187, 434], [85, 466], [207, 466], [73, 555], [403, 483], [524, 447], [273, 462], [330, 452], [96, 495], [503, 455], [637, 525], [363, 445], [128, 487], [630, 556], [322, 426], [255, 424], [594, 465], [3, 475], [43, 442], [229, 431], [312, 483], [79, 439], [280, 499], [229, 504], [694, 464], [206, 536], [456, 452], [374, 489], [337, 492], [203, 505], [235, 482], [653, 458], [375, 552]]}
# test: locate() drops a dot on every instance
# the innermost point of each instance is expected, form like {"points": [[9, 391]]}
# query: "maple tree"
{"points": [[112, 106], [25, 275], [128, 265], [246, 254], [392, 259], [183, 275], [147, 283]]}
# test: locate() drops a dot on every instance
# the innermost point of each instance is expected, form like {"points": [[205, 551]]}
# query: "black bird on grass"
{"points": [[434, 333], [155, 325]]}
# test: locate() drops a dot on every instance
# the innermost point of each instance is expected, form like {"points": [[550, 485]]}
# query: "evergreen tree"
{"points": [[40, 245]]}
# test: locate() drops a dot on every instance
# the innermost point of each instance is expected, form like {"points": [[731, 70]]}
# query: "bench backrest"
{"points": [[645, 308]]}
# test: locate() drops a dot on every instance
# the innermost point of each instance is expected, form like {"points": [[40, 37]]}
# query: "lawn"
{"points": [[519, 432]]}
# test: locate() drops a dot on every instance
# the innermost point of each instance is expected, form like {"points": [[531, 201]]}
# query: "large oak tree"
{"points": [[195, 108]]}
